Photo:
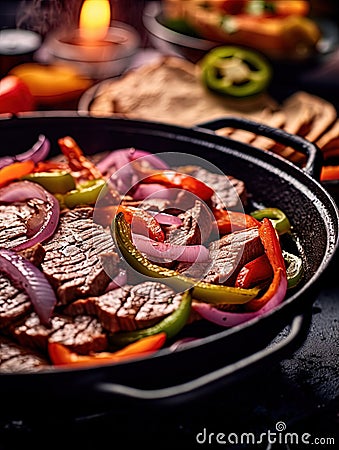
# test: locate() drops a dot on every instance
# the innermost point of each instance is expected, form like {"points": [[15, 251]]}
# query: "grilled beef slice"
{"points": [[14, 302], [79, 256], [230, 192], [34, 254], [82, 334], [230, 253], [129, 307], [196, 226], [15, 358], [15, 220]]}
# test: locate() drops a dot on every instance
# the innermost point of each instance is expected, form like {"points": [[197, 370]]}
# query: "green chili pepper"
{"points": [[235, 71], [207, 292], [278, 218], [55, 182], [171, 324], [294, 269], [86, 194]]}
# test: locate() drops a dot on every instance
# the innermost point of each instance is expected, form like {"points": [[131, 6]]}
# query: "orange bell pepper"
{"points": [[15, 171], [61, 355], [229, 221], [329, 173]]}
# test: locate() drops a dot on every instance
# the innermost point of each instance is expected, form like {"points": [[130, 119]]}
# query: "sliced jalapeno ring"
{"points": [[294, 269], [235, 71], [278, 218]]}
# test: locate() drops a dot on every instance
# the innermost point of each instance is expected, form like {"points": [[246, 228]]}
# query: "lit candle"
{"points": [[99, 48], [95, 18]]}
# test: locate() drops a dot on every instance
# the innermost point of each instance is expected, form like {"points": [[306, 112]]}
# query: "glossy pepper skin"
{"points": [[254, 272], [278, 218], [15, 171], [235, 71], [141, 221], [76, 159], [177, 180], [85, 194], [229, 221], [61, 355], [210, 293], [58, 182], [170, 325], [270, 241]]}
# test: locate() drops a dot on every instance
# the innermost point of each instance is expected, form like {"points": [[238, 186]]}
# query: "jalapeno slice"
{"points": [[235, 71], [294, 269], [278, 218]]}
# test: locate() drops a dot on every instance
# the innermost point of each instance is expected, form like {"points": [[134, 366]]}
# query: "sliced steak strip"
{"points": [[195, 229], [34, 254], [14, 358], [75, 257], [231, 252], [14, 221], [130, 307], [82, 334], [230, 192], [14, 302]]}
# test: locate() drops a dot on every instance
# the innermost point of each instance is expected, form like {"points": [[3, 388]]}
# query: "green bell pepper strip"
{"points": [[294, 269], [86, 194], [235, 71], [171, 324], [207, 292], [277, 217], [54, 182]]}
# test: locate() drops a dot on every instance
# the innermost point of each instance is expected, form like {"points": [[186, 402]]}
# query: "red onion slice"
{"points": [[163, 251], [119, 158], [167, 219], [32, 281], [25, 190], [231, 319], [37, 153]]}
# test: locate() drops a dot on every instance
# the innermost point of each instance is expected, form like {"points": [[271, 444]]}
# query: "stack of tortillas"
{"points": [[169, 90]]}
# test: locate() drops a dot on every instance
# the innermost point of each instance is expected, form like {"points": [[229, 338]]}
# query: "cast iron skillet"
{"points": [[224, 356]]}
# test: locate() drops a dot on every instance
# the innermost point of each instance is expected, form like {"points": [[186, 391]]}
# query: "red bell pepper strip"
{"points": [[273, 251], [51, 166], [177, 180], [61, 355], [77, 161], [274, 295], [254, 272], [140, 220], [15, 171], [229, 221]]}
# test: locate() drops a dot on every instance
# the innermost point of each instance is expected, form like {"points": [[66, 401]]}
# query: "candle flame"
{"points": [[95, 17]]}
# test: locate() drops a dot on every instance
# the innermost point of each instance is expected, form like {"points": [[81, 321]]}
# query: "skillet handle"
{"points": [[314, 156], [262, 358]]}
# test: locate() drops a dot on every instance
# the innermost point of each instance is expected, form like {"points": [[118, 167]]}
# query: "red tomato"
{"points": [[15, 95]]}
